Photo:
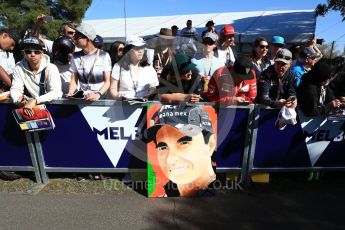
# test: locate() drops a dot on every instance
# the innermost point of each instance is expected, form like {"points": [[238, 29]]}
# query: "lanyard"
{"points": [[134, 82]]}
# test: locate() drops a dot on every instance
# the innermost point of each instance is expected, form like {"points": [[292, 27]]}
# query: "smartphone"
{"points": [[48, 18]]}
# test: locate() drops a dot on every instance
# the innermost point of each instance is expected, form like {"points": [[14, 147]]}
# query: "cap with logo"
{"points": [[31, 43], [283, 55], [190, 120], [87, 30], [227, 30], [243, 68]]}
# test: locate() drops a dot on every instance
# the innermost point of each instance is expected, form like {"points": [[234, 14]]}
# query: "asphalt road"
{"points": [[284, 204]]}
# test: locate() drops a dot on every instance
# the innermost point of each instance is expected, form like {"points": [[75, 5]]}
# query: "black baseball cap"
{"points": [[31, 42], [13, 34], [243, 68], [190, 120]]}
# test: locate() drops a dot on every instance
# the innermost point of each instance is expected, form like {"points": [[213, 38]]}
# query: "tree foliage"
{"points": [[21, 15], [337, 5], [328, 53]]}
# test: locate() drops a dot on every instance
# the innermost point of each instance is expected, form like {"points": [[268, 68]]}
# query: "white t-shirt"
{"points": [[208, 66], [7, 61], [65, 74], [82, 63], [135, 84]]}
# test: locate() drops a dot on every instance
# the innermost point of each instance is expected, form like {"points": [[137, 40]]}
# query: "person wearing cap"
{"points": [[8, 39], [235, 85], [277, 83], [37, 75], [307, 59], [90, 67], [259, 56], [185, 142], [226, 41], [180, 82], [132, 77], [174, 30], [209, 63], [277, 43], [210, 28], [315, 97]]}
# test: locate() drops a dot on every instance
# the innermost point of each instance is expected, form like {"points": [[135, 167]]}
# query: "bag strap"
{"points": [[42, 82]]}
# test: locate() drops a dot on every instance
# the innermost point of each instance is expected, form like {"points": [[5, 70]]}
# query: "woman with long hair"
{"points": [[259, 55], [116, 51]]}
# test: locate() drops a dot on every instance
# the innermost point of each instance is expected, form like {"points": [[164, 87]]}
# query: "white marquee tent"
{"points": [[294, 25]]}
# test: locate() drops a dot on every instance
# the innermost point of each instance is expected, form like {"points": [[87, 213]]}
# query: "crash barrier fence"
{"points": [[104, 137]]}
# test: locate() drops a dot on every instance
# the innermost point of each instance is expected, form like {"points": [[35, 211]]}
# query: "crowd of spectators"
{"points": [[173, 67]]}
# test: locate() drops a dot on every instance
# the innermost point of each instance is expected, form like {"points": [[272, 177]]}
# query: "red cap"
{"points": [[227, 30]]}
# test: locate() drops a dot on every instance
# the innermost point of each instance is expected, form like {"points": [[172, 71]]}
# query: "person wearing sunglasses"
{"points": [[66, 29], [259, 56], [277, 82], [209, 63], [307, 59], [37, 75]]}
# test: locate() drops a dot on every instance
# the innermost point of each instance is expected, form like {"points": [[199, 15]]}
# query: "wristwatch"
{"points": [[100, 94]]}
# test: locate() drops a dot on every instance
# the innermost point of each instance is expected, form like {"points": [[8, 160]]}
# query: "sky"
{"points": [[331, 28]]}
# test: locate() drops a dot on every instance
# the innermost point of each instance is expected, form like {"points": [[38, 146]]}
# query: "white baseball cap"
{"points": [[135, 40], [87, 30]]}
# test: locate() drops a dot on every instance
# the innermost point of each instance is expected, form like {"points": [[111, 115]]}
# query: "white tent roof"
{"points": [[293, 25]]}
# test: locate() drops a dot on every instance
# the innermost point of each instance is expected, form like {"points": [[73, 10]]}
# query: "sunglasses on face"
{"points": [[30, 51], [229, 36], [70, 32], [208, 42], [78, 36], [263, 47], [278, 45]]}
